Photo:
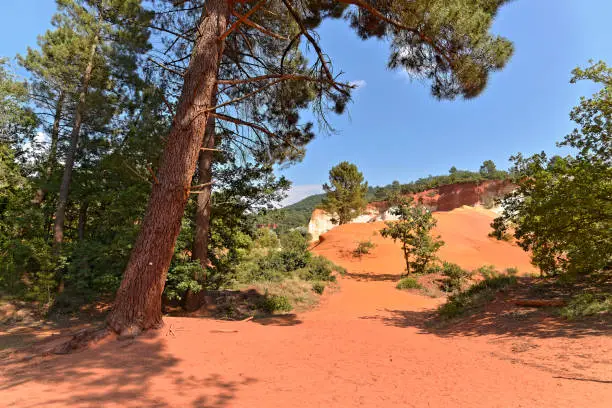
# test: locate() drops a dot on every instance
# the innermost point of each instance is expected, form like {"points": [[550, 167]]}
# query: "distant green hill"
{"points": [[309, 203]]}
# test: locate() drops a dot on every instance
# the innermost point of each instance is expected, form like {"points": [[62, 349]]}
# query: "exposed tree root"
{"points": [[80, 340]]}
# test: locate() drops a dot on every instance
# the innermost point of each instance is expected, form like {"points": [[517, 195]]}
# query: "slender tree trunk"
{"points": [[138, 302], [406, 258], [62, 202], [202, 224], [203, 206], [83, 219], [52, 159]]}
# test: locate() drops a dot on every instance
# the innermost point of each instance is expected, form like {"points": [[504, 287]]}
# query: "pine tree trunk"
{"points": [[138, 302], [83, 219], [52, 159], [62, 202], [202, 216], [202, 224]]}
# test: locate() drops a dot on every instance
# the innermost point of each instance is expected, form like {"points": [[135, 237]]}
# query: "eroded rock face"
{"points": [[444, 198]]}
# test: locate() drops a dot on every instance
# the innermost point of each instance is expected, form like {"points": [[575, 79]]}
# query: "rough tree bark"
{"points": [[52, 159], [62, 202], [138, 303]]}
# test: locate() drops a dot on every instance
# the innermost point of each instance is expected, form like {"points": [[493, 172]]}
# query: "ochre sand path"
{"points": [[360, 347]]}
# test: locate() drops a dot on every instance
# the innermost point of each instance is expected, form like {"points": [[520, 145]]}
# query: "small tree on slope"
{"points": [[413, 231]]}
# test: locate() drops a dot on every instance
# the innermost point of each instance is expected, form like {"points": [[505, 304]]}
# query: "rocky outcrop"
{"points": [[444, 198]]}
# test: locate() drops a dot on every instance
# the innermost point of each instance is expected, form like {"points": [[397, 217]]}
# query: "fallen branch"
{"points": [[540, 302]]}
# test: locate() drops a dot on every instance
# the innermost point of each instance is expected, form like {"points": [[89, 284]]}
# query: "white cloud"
{"points": [[299, 192], [358, 84]]}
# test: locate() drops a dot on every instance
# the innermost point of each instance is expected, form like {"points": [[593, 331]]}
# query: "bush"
{"points": [[183, 277], [587, 304], [363, 248], [512, 271], [319, 269], [475, 297], [294, 250], [487, 271], [432, 268], [408, 283], [455, 277], [274, 303], [318, 287], [266, 238]]}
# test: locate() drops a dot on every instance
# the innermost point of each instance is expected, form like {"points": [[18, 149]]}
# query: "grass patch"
{"points": [[476, 296], [587, 304], [300, 294], [408, 283], [363, 248], [318, 287]]}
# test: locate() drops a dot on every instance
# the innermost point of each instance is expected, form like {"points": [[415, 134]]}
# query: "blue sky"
{"points": [[394, 129]]}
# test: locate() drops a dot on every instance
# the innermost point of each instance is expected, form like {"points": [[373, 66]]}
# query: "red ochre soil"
{"points": [[365, 345], [464, 231]]}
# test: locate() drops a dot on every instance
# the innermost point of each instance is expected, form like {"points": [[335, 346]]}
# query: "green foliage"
{"points": [[408, 283], [266, 239], [512, 271], [346, 194], [487, 271], [587, 304], [561, 211], [489, 171], [182, 278], [475, 297], [321, 269], [363, 248], [274, 303], [412, 230], [456, 277], [318, 287], [289, 259]]}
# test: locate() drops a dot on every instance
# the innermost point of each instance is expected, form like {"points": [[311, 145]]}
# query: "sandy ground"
{"points": [[365, 345]]}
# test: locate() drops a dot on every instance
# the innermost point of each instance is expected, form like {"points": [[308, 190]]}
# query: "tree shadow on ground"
{"points": [[27, 325], [372, 277], [510, 320], [278, 320], [503, 317], [118, 373]]}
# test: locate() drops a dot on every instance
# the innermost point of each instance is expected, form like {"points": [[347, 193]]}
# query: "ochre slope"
{"points": [[465, 233]]}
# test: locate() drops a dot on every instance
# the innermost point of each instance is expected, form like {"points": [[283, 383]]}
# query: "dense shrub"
{"points": [[408, 283], [274, 303], [455, 277], [183, 277]]}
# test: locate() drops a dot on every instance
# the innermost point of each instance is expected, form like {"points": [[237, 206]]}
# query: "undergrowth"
{"points": [[408, 283], [476, 296], [587, 304]]}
